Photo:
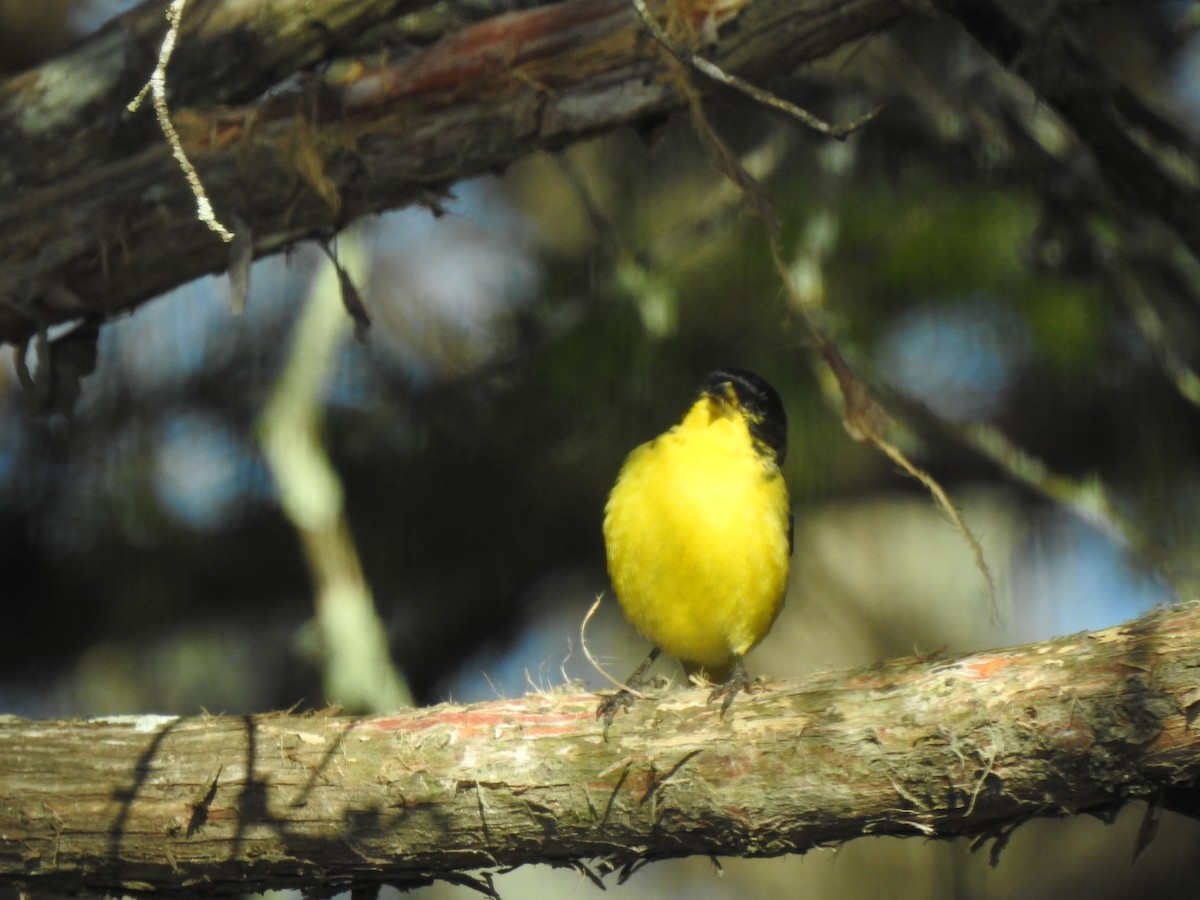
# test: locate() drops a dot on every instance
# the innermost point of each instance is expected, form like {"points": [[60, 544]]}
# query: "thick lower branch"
{"points": [[939, 748]]}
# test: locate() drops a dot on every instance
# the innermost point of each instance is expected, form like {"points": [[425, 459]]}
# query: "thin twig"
{"points": [[894, 453], [766, 98], [866, 420], [595, 663], [156, 87]]}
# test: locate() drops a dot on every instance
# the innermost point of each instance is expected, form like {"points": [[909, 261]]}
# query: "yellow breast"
{"points": [[697, 533]]}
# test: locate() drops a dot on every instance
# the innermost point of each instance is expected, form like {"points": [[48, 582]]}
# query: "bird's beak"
{"points": [[724, 394]]}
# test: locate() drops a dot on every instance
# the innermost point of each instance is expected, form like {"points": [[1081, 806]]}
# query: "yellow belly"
{"points": [[696, 531]]}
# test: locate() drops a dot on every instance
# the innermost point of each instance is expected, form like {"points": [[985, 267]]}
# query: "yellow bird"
{"points": [[698, 530]]}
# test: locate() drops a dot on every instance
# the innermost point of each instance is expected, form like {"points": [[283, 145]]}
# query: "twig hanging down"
{"points": [[766, 98], [865, 420], [156, 87]]}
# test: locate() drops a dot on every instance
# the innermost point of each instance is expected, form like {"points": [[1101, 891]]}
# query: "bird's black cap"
{"points": [[760, 402]]}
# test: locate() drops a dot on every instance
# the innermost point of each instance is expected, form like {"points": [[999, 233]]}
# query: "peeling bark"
{"points": [[970, 746]]}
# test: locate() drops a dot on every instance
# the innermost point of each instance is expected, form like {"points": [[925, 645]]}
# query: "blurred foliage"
{"points": [[557, 316]]}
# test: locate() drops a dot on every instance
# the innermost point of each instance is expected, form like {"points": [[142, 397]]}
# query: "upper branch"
{"points": [[95, 216], [940, 748]]}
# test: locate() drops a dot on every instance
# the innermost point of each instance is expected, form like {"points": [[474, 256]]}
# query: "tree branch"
{"points": [[939, 748], [106, 221]]}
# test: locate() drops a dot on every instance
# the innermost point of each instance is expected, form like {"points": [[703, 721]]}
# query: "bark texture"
{"points": [[935, 747]]}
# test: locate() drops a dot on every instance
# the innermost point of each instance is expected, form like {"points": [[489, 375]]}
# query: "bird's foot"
{"points": [[611, 704], [737, 682]]}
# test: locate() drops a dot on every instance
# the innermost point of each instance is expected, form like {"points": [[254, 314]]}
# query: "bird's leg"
{"points": [[737, 681], [623, 699]]}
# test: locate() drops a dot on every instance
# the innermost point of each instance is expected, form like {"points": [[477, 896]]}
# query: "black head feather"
{"points": [[758, 400]]}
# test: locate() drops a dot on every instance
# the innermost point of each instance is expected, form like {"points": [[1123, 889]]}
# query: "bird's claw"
{"points": [[611, 704], [737, 682]]}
